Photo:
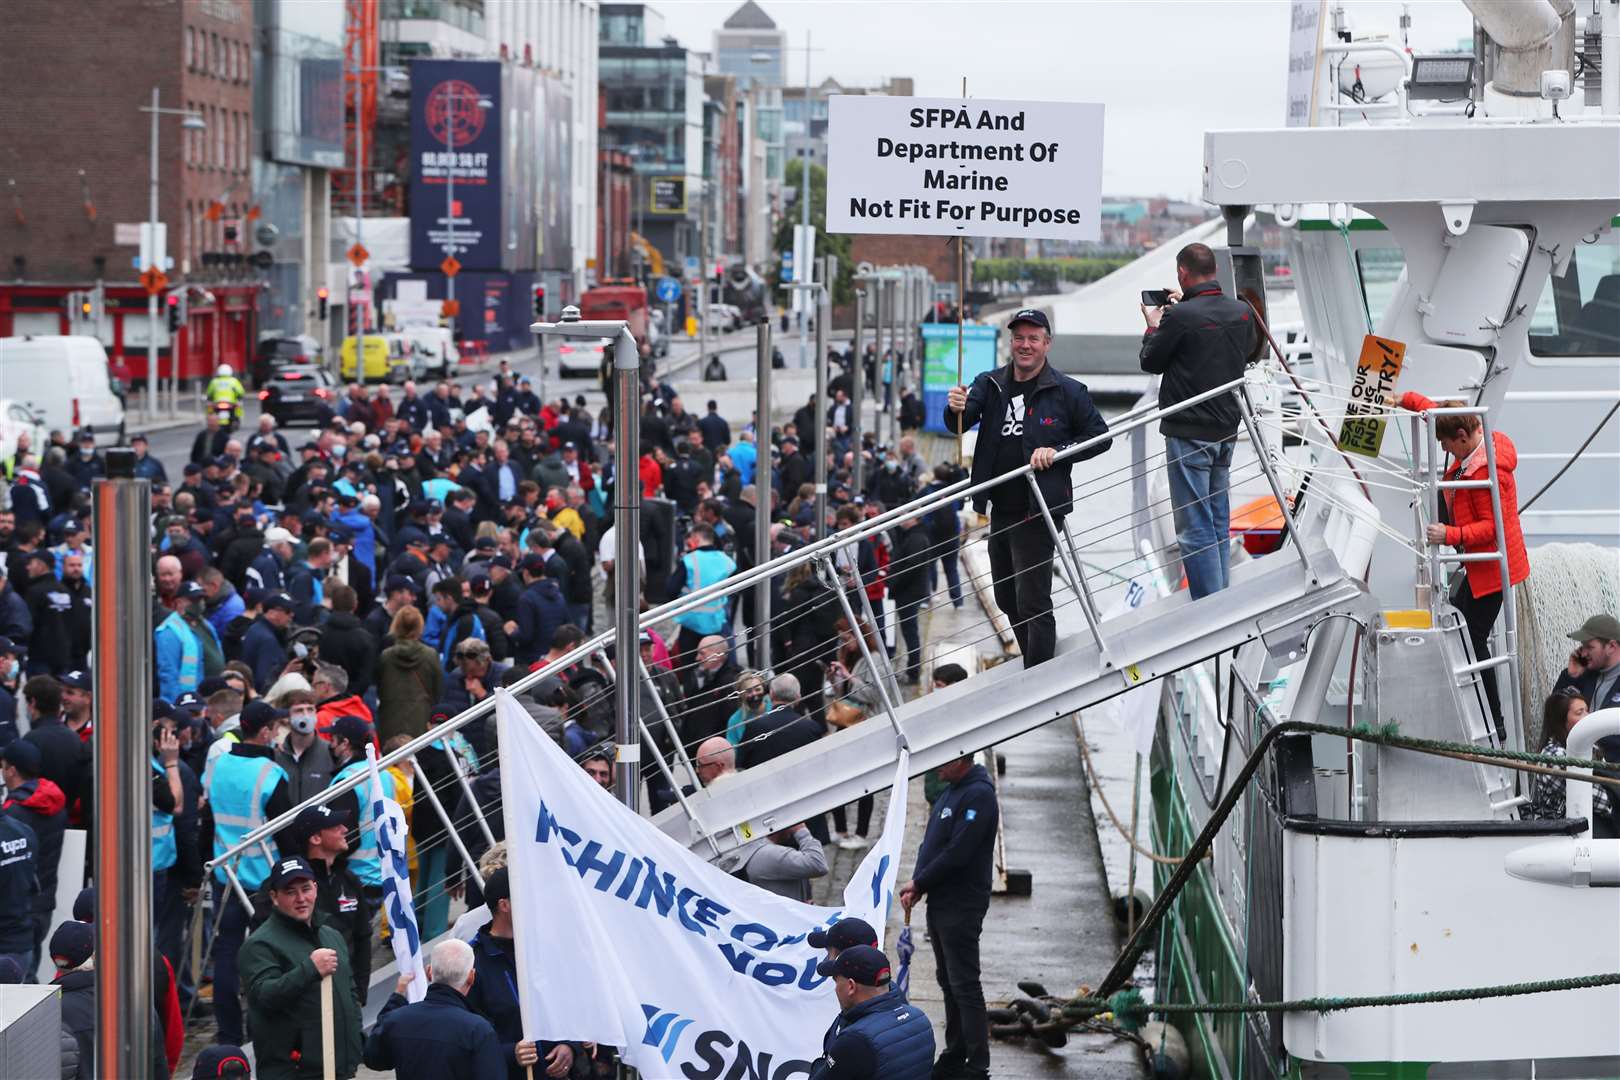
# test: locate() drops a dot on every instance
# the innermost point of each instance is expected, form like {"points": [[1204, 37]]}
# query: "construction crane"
{"points": [[360, 71]]}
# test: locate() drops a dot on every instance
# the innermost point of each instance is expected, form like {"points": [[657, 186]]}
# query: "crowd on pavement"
{"points": [[363, 584]]}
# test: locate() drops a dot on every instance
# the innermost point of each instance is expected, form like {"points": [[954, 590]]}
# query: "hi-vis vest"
{"points": [[163, 847], [239, 790], [704, 567], [191, 669], [364, 858]]}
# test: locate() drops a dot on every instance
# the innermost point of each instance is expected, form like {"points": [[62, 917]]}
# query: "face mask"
{"points": [[12, 668], [87, 451], [891, 465], [753, 700], [303, 721], [340, 451]]}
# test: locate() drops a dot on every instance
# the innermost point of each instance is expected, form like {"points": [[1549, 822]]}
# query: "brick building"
{"points": [[80, 164]]}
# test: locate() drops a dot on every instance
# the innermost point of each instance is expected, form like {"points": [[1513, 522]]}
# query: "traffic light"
{"points": [[539, 301], [177, 315], [321, 297]]}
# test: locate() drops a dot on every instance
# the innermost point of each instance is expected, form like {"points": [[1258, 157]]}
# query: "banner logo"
{"points": [[453, 115], [663, 1030]]}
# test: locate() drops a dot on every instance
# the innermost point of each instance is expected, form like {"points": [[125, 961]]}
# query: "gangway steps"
{"points": [[1275, 599]]}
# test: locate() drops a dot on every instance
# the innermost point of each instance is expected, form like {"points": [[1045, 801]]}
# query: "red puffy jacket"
{"points": [[1472, 527]]}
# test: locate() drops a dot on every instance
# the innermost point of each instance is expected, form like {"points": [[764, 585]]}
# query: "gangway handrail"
{"points": [[961, 489]]}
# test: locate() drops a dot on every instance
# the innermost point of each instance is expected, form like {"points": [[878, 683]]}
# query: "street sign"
{"points": [[127, 234], [357, 254], [693, 268], [668, 290], [451, 266], [154, 245], [155, 280], [450, 308]]}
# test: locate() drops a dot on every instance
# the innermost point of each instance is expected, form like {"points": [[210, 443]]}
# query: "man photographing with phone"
{"points": [[1198, 341], [1032, 412]]}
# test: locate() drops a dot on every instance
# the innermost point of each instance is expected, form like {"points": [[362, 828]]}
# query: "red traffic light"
{"points": [[321, 293], [174, 300]]}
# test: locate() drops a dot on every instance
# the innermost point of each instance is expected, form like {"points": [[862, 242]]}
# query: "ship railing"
{"points": [[832, 558]]}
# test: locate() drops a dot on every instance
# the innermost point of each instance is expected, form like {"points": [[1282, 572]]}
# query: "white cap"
{"points": [[277, 535]]}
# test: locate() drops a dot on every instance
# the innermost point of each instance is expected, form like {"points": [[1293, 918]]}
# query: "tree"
{"points": [[837, 244]]}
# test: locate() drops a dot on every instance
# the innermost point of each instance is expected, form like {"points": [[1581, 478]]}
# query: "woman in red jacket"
{"points": [[1469, 524]]}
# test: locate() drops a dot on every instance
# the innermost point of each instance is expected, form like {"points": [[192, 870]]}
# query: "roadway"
{"points": [[171, 443]]}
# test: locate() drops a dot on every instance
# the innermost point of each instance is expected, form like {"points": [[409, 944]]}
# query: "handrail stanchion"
{"points": [[449, 826], [1260, 451], [669, 726], [236, 886], [1426, 586], [854, 567], [1431, 447], [830, 576], [466, 790], [1507, 697], [1061, 554], [1086, 596]]}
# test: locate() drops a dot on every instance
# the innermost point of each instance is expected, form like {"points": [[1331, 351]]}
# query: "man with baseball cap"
{"points": [[283, 964], [1026, 412], [841, 935], [321, 835], [245, 789], [878, 1033], [1594, 667], [264, 646]]}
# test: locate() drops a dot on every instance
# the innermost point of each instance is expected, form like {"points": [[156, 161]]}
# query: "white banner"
{"points": [[397, 903], [964, 167], [626, 938], [1305, 18], [1135, 711]]}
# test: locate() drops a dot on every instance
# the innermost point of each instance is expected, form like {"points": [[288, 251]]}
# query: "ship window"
{"points": [[1579, 313]]}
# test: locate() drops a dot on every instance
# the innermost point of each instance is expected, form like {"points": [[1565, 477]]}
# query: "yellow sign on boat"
{"points": [[1376, 371]]}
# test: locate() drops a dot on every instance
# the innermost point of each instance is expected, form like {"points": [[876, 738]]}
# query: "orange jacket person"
{"points": [[1473, 528]]}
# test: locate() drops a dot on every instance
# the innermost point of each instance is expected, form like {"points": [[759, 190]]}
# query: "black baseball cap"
{"points": [[287, 871], [863, 963], [72, 944], [279, 600], [534, 563], [398, 583], [80, 680], [1031, 315], [221, 1060], [843, 934], [351, 729], [258, 715], [312, 819], [497, 887]]}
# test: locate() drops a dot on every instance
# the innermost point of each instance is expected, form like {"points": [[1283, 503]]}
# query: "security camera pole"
{"points": [[627, 523]]}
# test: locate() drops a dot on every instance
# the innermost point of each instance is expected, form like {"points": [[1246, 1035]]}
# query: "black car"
{"points": [[299, 393], [273, 353]]}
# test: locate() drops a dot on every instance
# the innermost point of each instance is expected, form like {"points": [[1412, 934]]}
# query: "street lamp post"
{"points": [[192, 121]]}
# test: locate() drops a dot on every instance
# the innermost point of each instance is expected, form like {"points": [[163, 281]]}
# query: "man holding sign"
{"points": [[1027, 412]]}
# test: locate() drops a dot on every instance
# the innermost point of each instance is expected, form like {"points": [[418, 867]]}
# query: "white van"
{"points": [[64, 380]]}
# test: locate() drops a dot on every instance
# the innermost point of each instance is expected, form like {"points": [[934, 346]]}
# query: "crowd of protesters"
{"points": [[396, 566]]}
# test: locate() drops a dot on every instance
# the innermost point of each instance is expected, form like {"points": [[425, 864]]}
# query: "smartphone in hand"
{"points": [[1155, 297]]}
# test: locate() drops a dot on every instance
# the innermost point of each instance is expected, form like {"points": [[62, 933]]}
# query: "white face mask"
{"points": [[302, 721]]}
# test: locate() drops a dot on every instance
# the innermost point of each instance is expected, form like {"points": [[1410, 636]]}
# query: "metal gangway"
{"points": [[1275, 600]]}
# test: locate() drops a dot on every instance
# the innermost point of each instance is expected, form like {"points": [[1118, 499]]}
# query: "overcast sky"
{"points": [[1165, 71]]}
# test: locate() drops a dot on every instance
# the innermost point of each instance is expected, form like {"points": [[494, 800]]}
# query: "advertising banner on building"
{"points": [[690, 969], [949, 167], [939, 366], [456, 163]]}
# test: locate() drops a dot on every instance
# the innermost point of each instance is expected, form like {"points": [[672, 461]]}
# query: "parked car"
{"points": [[581, 356], [299, 394], [63, 381], [273, 352]]}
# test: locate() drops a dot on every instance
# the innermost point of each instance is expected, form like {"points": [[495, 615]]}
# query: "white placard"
{"points": [[953, 167], [1304, 60]]}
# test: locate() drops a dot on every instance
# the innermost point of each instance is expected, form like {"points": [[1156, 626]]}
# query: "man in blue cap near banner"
{"points": [[877, 1032]]}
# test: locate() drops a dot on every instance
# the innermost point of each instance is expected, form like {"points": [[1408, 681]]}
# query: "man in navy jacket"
{"points": [[953, 871], [439, 1037], [1026, 413]]}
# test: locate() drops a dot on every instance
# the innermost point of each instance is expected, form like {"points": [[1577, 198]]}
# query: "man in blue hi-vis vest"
{"points": [[703, 565], [246, 789]]}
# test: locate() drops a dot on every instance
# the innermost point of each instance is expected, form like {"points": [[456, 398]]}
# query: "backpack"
{"points": [[451, 639]]}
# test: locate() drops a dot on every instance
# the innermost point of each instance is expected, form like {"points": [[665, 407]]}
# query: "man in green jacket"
{"points": [[282, 965]]}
